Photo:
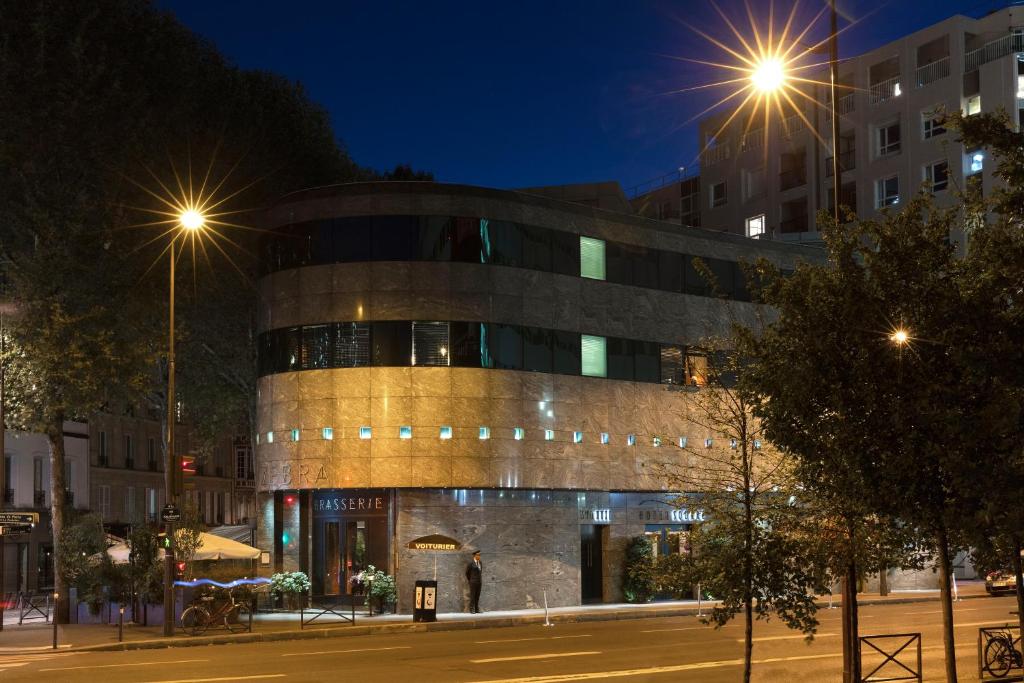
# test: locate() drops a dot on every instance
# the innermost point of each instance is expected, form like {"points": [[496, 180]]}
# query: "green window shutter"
{"points": [[591, 258], [595, 356]]}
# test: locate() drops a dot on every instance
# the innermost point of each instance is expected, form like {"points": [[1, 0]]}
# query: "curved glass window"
{"points": [[405, 343], [464, 239]]}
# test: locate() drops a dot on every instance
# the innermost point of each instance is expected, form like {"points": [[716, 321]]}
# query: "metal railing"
{"points": [[929, 73], [713, 155], [885, 90], [752, 140], [847, 162], [684, 173], [999, 654], [899, 670], [846, 104], [1000, 47], [793, 123]]}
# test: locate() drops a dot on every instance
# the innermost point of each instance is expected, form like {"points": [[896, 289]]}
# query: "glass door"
{"points": [[332, 558], [355, 552]]}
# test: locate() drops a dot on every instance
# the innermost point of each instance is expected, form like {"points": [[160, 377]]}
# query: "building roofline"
{"points": [[435, 188]]}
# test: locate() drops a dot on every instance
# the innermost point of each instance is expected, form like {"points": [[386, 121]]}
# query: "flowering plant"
{"points": [[289, 583], [382, 586]]}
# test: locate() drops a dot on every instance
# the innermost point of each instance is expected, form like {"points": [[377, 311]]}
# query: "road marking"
{"points": [[684, 628], [988, 623], [955, 610], [341, 652], [767, 638], [523, 640], [521, 658], [109, 666], [223, 678], [41, 649]]}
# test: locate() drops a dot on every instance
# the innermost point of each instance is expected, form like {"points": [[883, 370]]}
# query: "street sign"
{"points": [[169, 513], [19, 518]]}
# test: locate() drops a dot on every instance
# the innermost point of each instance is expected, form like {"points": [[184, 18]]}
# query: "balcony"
{"points": [[847, 162], [929, 73], [884, 91], [791, 124], [8, 496], [794, 177], [791, 225], [713, 155], [39, 499], [846, 104], [752, 140], [992, 50], [245, 483]]}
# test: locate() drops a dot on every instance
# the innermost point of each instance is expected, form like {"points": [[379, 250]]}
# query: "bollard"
{"points": [[700, 598], [956, 593], [547, 621], [120, 623], [251, 610], [55, 597]]}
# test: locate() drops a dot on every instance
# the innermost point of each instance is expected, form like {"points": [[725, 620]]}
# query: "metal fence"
{"points": [[900, 655], [999, 653]]}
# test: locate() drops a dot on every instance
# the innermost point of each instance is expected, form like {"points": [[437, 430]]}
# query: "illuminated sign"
{"points": [[596, 516], [435, 543], [686, 515]]}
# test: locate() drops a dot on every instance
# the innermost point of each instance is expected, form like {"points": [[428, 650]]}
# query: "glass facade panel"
{"points": [[620, 359], [352, 242], [619, 264], [565, 253], [647, 361], [467, 246], [316, 347], [352, 345], [670, 271], [591, 258], [430, 344], [566, 348], [506, 346], [392, 343], [536, 349], [434, 239], [645, 267], [502, 243], [673, 365], [536, 247], [394, 238]]}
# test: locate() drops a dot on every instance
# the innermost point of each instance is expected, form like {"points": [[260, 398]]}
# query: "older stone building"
{"points": [[492, 366]]}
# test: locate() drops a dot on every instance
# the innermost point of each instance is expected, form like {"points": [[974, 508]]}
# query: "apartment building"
{"points": [[770, 178]]}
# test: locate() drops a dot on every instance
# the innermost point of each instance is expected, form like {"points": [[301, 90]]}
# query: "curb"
{"points": [[341, 631]]}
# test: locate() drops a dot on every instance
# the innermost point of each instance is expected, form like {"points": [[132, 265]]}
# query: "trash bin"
{"points": [[424, 606]]}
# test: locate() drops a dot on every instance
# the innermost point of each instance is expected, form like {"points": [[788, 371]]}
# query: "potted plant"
{"points": [[289, 586], [381, 590]]}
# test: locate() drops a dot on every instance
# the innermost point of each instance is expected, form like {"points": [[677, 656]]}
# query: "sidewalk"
{"points": [[38, 637]]}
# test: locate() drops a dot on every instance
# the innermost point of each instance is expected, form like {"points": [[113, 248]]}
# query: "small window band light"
{"points": [[604, 438], [446, 432], [757, 444], [631, 439], [577, 437], [295, 435], [365, 432], [682, 442], [733, 443], [708, 443], [656, 441], [485, 433], [270, 437], [549, 434], [405, 432], [328, 433], [517, 433]]}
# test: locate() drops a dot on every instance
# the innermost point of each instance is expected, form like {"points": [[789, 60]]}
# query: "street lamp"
{"points": [[769, 75], [190, 220], [900, 337]]}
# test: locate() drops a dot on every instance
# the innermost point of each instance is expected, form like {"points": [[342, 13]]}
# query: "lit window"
{"points": [[591, 258], [888, 139], [549, 435], [430, 343], [446, 432], [887, 191], [257, 439], [631, 439], [757, 444], [973, 105], [708, 443], [328, 433], [896, 90], [733, 443], [755, 226], [937, 175], [656, 441], [682, 442], [595, 356], [295, 435], [270, 437], [577, 437], [604, 438], [365, 432], [405, 432], [517, 433], [485, 433], [977, 162]]}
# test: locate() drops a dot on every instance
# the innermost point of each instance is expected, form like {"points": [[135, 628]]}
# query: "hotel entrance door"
{"points": [[344, 544], [350, 533], [591, 559]]}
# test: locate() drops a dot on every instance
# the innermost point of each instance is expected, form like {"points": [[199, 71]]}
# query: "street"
{"points": [[656, 649]]}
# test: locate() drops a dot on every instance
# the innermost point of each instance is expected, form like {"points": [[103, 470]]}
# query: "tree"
{"points": [[881, 422], [751, 553]]}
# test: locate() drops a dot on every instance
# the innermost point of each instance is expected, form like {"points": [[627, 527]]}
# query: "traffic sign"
{"points": [[170, 513], [19, 518]]}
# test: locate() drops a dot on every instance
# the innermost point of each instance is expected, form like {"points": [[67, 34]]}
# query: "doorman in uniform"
{"points": [[474, 574]]}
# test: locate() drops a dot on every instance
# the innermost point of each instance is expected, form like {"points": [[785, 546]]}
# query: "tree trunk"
{"points": [[55, 435], [851, 633], [883, 581], [748, 567], [1020, 582], [947, 605]]}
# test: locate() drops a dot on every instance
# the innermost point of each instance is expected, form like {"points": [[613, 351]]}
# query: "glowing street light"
{"points": [[191, 219], [900, 337], [769, 75]]}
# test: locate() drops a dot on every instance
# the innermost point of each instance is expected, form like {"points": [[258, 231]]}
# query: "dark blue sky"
{"points": [[516, 93]]}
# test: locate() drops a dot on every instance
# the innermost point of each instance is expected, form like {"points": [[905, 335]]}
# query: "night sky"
{"points": [[520, 93]]}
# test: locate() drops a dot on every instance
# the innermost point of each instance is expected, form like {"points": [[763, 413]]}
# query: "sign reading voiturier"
{"points": [[435, 543], [170, 513], [19, 518]]}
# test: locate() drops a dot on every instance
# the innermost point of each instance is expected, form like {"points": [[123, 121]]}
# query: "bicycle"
{"points": [[206, 610], [1001, 655]]}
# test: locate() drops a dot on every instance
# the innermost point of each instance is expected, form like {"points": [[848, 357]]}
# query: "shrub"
{"points": [[638, 583], [289, 583]]}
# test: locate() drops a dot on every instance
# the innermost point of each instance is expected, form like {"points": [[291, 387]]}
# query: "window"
{"points": [[696, 369], [151, 504], [887, 191], [591, 258], [405, 432], [8, 480], [37, 478], [718, 197], [103, 449], [129, 504], [594, 356], [753, 184], [888, 139], [604, 438], [485, 433], [352, 345], [976, 161], [673, 367], [316, 347], [549, 435], [506, 346], [365, 432], [104, 501], [647, 361], [937, 175], [973, 105], [151, 448], [755, 226], [630, 439], [468, 345], [566, 352], [446, 432], [670, 271], [430, 343], [577, 437], [933, 123], [517, 433], [327, 433], [619, 358], [392, 343], [295, 435], [536, 349], [129, 453]]}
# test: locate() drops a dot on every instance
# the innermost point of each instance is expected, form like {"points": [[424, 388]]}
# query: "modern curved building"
{"points": [[494, 367]]}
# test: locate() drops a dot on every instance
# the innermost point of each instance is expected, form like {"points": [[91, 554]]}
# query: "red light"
{"points": [[289, 500]]}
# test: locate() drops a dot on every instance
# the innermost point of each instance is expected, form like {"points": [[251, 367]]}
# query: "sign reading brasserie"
{"points": [[435, 543], [350, 502]]}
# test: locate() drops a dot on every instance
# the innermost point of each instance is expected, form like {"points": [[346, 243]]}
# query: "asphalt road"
{"points": [[657, 649]]}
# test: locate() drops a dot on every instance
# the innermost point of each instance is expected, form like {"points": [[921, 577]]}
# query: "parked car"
{"points": [[998, 582]]}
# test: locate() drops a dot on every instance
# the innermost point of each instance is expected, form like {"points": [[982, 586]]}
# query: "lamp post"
{"points": [[189, 221]]}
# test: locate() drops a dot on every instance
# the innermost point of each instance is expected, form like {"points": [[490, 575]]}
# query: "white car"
{"points": [[1000, 582]]}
